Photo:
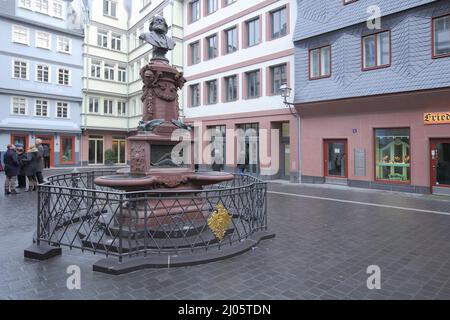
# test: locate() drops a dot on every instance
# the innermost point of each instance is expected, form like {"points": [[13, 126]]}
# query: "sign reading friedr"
{"points": [[436, 118]]}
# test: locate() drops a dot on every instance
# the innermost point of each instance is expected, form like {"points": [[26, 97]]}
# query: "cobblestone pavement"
{"points": [[322, 250]]}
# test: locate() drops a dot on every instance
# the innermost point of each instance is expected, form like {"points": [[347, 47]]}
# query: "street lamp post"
{"points": [[285, 92]]}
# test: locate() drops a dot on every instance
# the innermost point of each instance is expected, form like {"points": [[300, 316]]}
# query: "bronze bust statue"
{"points": [[158, 38]]}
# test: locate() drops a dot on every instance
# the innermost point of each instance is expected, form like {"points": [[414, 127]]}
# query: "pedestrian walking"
{"points": [[21, 177], [11, 169], [40, 161], [31, 164]]}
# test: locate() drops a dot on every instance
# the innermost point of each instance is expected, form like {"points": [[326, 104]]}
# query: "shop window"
{"points": [[67, 152], [393, 157]]}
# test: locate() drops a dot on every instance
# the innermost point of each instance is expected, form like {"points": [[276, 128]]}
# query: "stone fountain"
{"points": [[151, 163]]}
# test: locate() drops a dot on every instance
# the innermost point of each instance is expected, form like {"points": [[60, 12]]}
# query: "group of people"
{"points": [[21, 165]]}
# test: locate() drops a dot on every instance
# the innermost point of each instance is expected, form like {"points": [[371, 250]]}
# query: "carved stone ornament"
{"points": [[138, 161]]}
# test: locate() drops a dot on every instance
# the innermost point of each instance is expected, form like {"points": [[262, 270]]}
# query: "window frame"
{"points": [[271, 77], [207, 47], [47, 106], [62, 38], [69, 76], [247, 81], [271, 24], [376, 35], [207, 89], [25, 106], [247, 31], [225, 84], [27, 68], [49, 47], [235, 38], [13, 38], [409, 182], [433, 37], [191, 95], [310, 77], [72, 161], [49, 73], [63, 104], [191, 49]]}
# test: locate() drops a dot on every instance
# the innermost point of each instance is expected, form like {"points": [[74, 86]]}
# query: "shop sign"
{"points": [[436, 118]]}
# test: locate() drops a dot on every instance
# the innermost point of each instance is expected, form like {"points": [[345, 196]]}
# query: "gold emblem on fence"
{"points": [[219, 221]]}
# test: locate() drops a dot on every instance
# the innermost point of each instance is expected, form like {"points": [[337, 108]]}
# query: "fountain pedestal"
{"points": [[152, 167]]}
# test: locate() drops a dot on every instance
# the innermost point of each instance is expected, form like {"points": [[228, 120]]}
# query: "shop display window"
{"points": [[392, 153]]}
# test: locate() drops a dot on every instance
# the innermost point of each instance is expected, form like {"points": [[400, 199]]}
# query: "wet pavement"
{"points": [[326, 237]]}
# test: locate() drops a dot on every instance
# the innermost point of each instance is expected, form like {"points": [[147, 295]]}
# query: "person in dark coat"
{"points": [[31, 163], [46, 148], [40, 161], [11, 169], [21, 177]]}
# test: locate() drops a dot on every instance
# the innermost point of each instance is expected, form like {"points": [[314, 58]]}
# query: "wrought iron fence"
{"points": [[74, 212]]}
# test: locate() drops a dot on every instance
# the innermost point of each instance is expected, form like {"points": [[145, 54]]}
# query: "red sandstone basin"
{"points": [[163, 179]]}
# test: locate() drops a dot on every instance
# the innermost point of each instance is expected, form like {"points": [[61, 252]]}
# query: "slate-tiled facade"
{"points": [[413, 67], [351, 105]]}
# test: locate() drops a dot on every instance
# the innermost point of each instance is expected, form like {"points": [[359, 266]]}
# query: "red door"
{"points": [[335, 158], [440, 162]]}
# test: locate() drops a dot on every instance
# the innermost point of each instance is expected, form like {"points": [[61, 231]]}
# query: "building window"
{"points": [[43, 40], [253, 32], [231, 88], [93, 105], [102, 39], [41, 108], [211, 91], [195, 95], [278, 23], [253, 84], [122, 74], [376, 50], [392, 155], [145, 3], [278, 77], [231, 38], [62, 110], [43, 73], [95, 150], [41, 6], [25, 4], [63, 76], [195, 52], [57, 8], [67, 151], [119, 148], [20, 35], [320, 63], [108, 107], [248, 146], [116, 42], [96, 69], [19, 106], [109, 71], [20, 70], [441, 37], [228, 2], [63, 44], [195, 10], [218, 142], [211, 47], [211, 6], [121, 108], [110, 8]]}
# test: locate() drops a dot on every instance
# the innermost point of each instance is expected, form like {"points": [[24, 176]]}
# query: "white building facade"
{"points": [[113, 57], [237, 55]]}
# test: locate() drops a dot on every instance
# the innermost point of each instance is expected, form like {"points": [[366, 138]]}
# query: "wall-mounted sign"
{"points": [[436, 118]]}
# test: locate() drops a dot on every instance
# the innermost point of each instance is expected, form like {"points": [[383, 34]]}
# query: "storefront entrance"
{"points": [[440, 165], [335, 158]]}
